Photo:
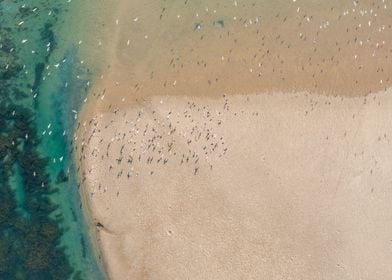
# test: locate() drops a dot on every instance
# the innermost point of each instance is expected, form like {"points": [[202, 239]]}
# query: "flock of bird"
{"points": [[335, 47], [145, 139]]}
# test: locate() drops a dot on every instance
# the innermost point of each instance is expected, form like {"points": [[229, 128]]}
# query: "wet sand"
{"points": [[334, 48], [242, 140]]}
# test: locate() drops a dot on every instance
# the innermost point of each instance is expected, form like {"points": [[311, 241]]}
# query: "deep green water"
{"points": [[43, 234]]}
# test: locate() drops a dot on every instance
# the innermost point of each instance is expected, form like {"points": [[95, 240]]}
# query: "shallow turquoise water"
{"points": [[43, 234]]}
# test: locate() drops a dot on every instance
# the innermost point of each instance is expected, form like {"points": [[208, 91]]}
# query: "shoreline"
{"points": [[93, 231]]}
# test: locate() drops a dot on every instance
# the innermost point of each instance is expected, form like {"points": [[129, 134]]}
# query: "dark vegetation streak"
{"points": [[29, 245]]}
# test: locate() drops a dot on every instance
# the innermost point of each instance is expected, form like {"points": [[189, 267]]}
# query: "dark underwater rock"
{"points": [[61, 177]]}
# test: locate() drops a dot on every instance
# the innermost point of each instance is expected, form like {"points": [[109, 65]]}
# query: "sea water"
{"points": [[41, 79]]}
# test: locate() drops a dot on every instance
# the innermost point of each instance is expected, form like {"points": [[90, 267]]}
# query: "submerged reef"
{"points": [[30, 229], [29, 244]]}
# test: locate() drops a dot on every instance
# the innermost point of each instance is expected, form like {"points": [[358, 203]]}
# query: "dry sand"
{"points": [[255, 147], [296, 190]]}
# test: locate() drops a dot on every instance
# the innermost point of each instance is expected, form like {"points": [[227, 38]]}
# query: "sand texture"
{"points": [[244, 187], [247, 140]]}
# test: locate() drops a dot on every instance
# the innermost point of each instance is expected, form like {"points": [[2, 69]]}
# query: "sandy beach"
{"points": [[243, 140]]}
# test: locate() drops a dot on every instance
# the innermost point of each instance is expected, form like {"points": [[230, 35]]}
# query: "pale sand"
{"points": [[303, 189]]}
